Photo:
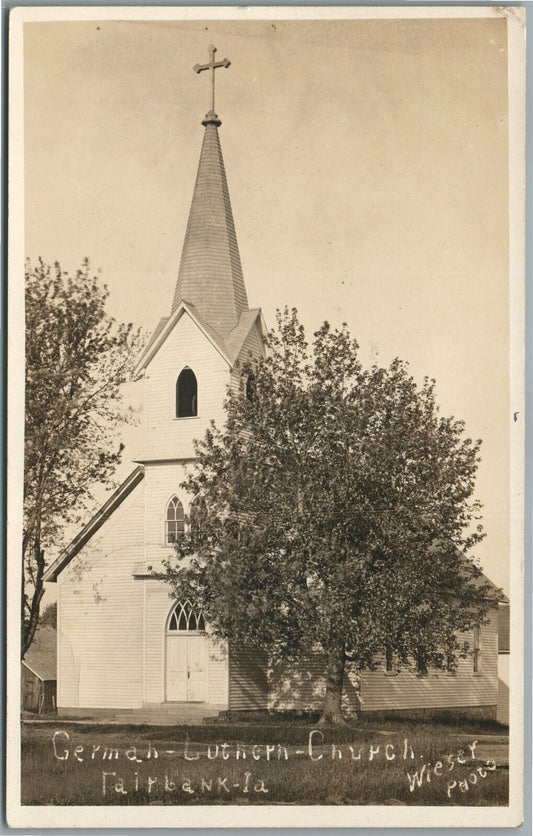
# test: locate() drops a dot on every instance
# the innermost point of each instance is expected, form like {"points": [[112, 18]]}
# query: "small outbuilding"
{"points": [[39, 672]]}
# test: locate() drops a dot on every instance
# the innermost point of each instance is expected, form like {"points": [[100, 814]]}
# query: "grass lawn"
{"points": [[272, 763]]}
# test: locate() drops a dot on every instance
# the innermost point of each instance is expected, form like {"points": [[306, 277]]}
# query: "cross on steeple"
{"points": [[213, 65]]}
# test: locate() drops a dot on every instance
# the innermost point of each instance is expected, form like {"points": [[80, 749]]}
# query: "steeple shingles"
{"points": [[210, 273]]}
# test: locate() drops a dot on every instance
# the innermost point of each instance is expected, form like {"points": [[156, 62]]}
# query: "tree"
{"points": [[77, 358], [48, 617], [334, 511]]}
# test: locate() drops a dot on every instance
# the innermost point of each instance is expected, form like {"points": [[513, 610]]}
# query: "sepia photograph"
{"points": [[265, 417]]}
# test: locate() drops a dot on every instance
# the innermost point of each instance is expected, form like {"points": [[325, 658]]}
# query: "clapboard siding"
{"points": [[168, 437], [100, 606], [302, 685], [382, 691], [112, 626], [248, 687], [218, 674], [163, 480], [157, 608]]}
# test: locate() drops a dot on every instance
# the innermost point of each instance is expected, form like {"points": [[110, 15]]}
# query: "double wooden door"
{"points": [[186, 668]]}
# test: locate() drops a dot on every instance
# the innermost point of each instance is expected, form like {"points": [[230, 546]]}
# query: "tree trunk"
{"points": [[30, 621], [332, 711]]}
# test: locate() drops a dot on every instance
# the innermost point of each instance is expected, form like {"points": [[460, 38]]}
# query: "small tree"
{"points": [[77, 358], [334, 512]]}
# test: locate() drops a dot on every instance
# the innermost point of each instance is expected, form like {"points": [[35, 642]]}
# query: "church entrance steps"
{"points": [[168, 714]]}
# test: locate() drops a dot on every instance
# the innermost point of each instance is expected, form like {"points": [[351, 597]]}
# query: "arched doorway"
{"points": [[186, 656]]}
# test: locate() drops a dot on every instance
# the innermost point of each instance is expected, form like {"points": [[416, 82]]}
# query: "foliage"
{"points": [[49, 616], [335, 511], [77, 358]]}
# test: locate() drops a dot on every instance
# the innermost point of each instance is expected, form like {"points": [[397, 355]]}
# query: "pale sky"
{"points": [[367, 169]]}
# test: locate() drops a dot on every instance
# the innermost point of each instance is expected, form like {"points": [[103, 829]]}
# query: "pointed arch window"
{"points": [[185, 619], [186, 394], [175, 521], [197, 514]]}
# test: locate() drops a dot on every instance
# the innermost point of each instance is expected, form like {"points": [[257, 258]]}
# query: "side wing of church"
{"points": [[124, 646]]}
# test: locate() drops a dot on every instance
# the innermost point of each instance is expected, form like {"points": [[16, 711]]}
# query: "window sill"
{"points": [[187, 418], [391, 673]]}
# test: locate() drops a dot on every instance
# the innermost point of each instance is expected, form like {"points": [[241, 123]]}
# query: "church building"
{"points": [[125, 647]]}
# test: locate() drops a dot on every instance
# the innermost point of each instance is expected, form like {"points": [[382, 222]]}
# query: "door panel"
{"points": [[177, 668], [197, 659]]}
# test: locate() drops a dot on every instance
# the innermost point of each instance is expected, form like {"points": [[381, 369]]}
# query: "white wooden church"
{"points": [[124, 646]]}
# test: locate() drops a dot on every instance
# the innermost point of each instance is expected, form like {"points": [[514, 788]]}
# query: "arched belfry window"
{"points": [[186, 394], [175, 521], [185, 619]]}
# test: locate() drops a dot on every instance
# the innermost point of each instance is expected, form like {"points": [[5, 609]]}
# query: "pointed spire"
{"points": [[210, 273]]}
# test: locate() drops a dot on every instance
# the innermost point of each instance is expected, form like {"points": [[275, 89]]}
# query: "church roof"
{"points": [[214, 336], [210, 273], [94, 524], [235, 339], [155, 333], [229, 346]]}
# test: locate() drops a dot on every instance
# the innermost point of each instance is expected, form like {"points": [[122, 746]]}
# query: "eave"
{"points": [[94, 524], [184, 307], [38, 675]]}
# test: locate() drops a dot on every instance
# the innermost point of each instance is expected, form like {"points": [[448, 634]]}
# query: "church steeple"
{"points": [[210, 273]]}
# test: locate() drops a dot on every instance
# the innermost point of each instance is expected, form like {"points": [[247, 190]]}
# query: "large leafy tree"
{"points": [[77, 358], [335, 512]]}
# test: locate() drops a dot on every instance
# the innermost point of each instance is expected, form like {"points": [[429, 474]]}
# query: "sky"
{"points": [[367, 163]]}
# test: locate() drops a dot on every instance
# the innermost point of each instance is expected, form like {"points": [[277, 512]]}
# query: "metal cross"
{"points": [[213, 65]]}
